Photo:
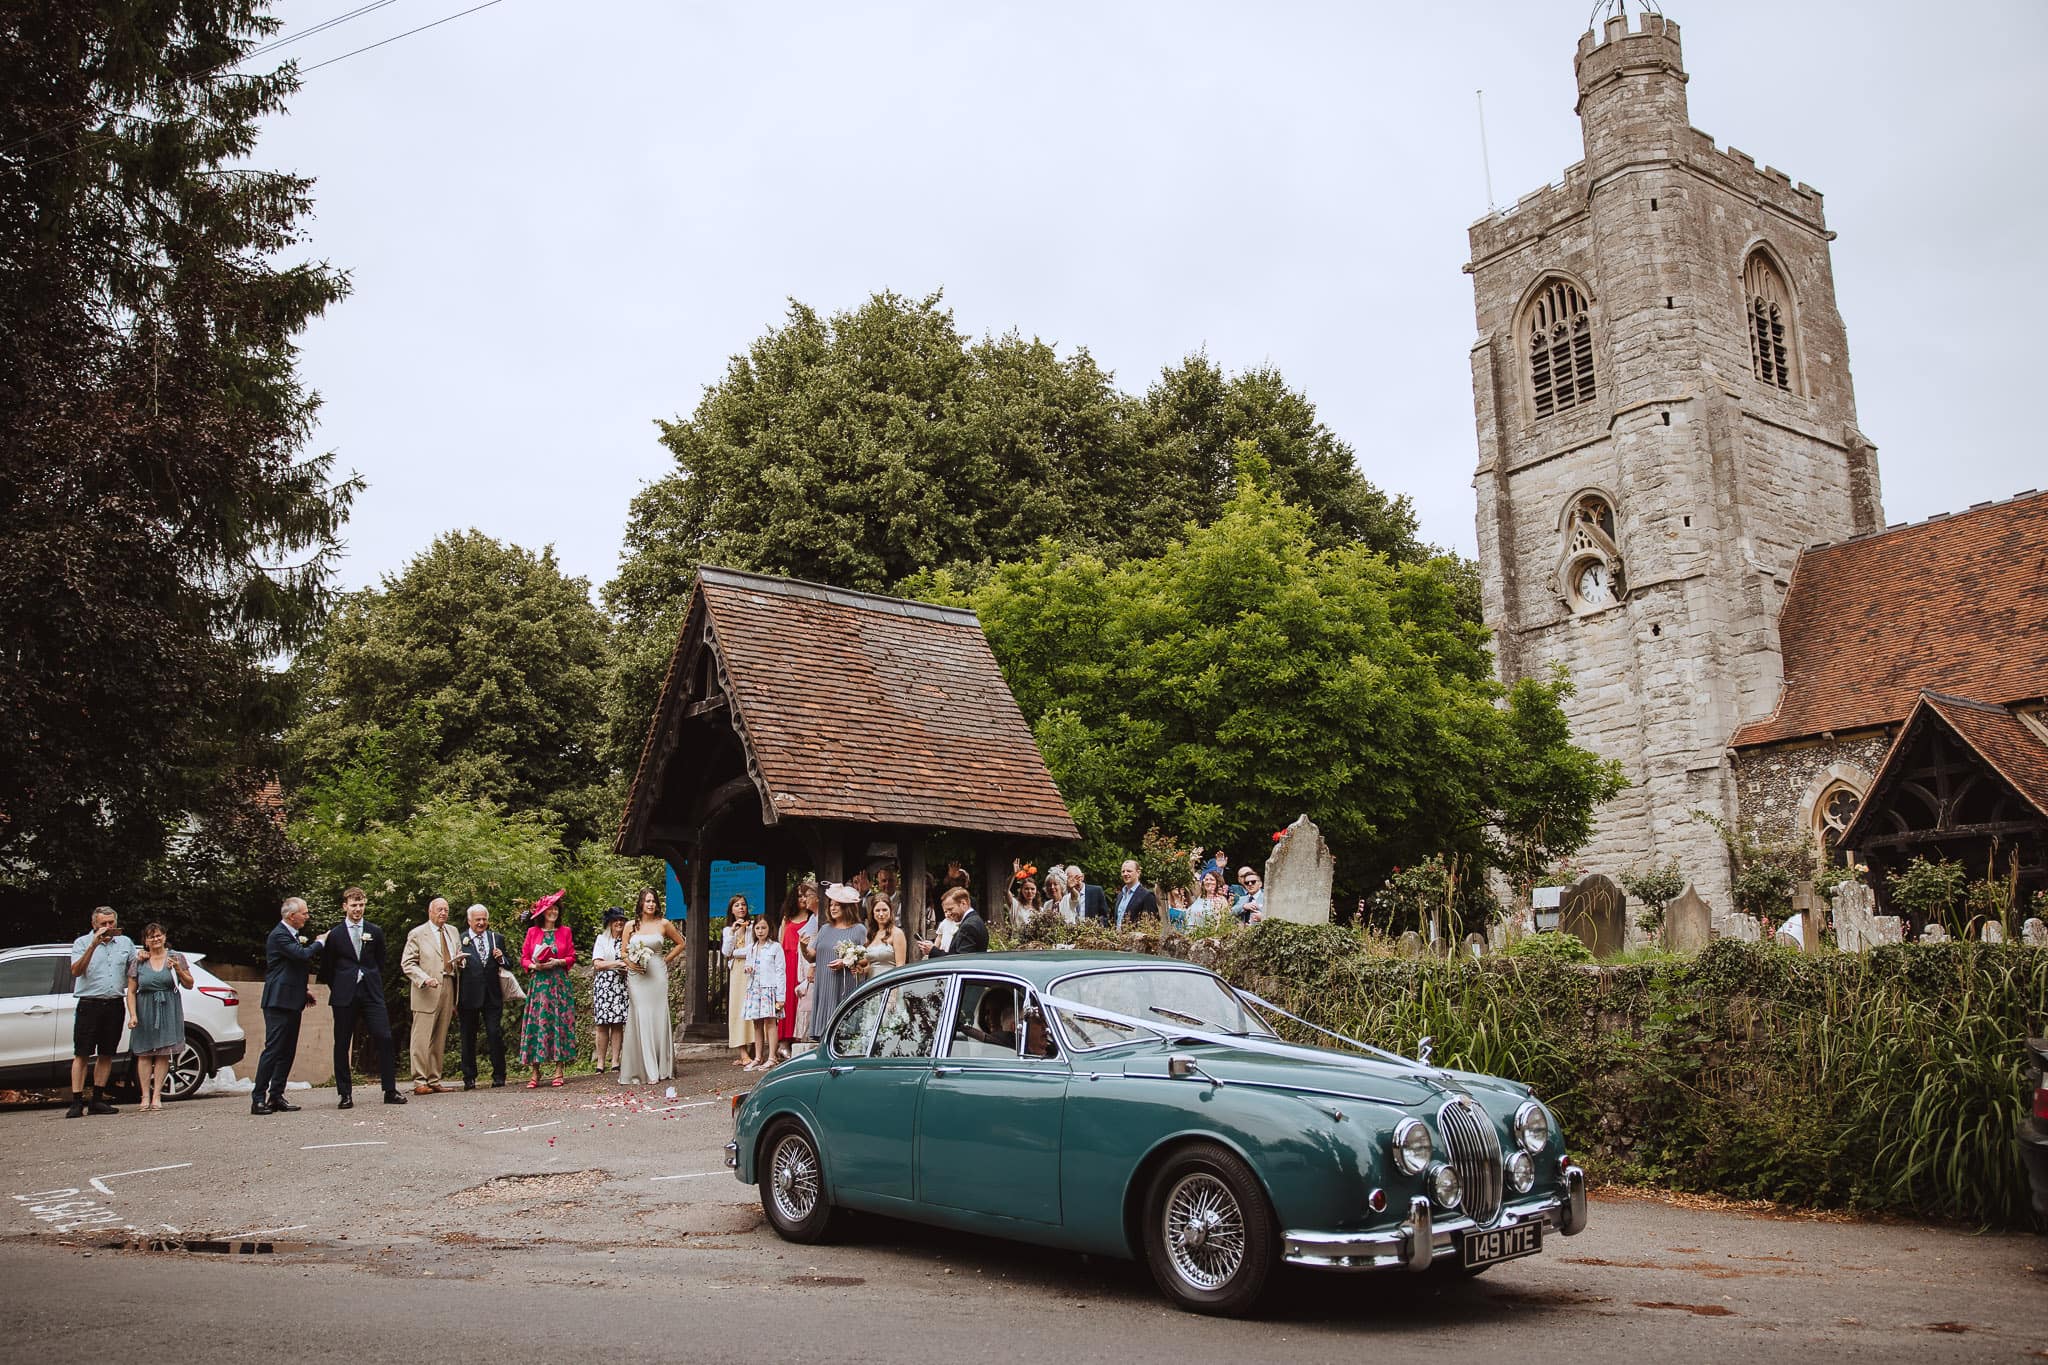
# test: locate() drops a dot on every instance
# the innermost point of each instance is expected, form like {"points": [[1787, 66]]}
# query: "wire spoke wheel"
{"points": [[1204, 1231], [793, 1178]]}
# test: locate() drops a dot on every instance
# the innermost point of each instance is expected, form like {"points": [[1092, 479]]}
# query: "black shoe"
{"points": [[469, 1085], [100, 1106], [347, 1102], [497, 1083], [76, 1111], [393, 1097], [281, 1105], [259, 1108]]}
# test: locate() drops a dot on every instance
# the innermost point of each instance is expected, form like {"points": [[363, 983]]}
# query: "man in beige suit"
{"points": [[432, 957]]}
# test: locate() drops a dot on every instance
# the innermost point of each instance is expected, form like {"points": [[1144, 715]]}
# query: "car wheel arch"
{"points": [[1158, 1155]]}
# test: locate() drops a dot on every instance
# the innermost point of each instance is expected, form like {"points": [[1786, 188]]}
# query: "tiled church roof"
{"points": [[1958, 604], [870, 709]]}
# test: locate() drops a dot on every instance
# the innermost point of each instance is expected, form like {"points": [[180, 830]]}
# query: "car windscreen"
{"points": [[1162, 998]]}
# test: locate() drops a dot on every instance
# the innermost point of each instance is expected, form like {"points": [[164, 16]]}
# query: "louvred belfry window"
{"points": [[1560, 333], [1771, 350]]}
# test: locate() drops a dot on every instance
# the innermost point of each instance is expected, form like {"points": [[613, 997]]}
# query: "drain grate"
{"points": [[205, 1246]]}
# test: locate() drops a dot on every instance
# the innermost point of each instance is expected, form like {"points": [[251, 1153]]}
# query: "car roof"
{"points": [[1039, 968]]}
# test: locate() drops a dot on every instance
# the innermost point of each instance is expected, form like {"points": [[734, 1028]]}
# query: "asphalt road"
{"points": [[594, 1224]]}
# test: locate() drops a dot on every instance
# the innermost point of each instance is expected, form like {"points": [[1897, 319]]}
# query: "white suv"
{"points": [[37, 1007]]}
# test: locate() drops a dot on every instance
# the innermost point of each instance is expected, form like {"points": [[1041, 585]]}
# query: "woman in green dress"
{"points": [[156, 1014], [549, 1033]]}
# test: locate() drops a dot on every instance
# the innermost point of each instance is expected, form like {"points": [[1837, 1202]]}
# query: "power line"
{"points": [[267, 47], [305, 71], [320, 27]]}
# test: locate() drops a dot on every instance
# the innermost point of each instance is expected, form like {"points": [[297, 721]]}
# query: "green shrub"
{"points": [[1551, 946], [1888, 1080]]}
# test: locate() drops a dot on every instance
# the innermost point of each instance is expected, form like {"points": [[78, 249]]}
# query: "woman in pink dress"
{"points": [[799, 921]]}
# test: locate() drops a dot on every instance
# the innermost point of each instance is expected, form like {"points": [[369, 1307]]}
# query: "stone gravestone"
{"points": [[1298, 876], [1857, 925], [1409, 944], [1743, 929], [1934, 933], [1688, 922], [1596, 913], [1475, 945], [1993, 932], [2034, 933]]}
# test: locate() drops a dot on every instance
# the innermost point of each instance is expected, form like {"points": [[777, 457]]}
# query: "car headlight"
{"points": [[1412, 1149], [1521, 1172], [1445, 1188], [1532, 1128]]}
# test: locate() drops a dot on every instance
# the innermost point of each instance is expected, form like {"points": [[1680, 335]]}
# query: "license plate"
{"points": [[1484, 1247]]}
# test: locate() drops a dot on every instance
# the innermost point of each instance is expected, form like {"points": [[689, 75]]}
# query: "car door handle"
{"points": [[947, 1070], [39, 1009], [837, 1070]]}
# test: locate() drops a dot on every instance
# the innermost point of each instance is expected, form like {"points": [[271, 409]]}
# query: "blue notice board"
{"points": [[727, 880]]}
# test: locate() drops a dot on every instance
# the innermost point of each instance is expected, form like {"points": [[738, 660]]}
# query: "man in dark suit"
{"points": [[970, 932], [353, 968], [480, 996], [288, 957], [1093, 904], [1134, 900]]}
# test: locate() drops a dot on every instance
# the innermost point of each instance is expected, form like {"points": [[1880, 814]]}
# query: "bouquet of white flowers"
{"points": [[640, 954], [849, 954]]}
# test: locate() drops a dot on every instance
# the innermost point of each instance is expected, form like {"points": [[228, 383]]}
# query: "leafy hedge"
{"points": [[1889, 1080]]}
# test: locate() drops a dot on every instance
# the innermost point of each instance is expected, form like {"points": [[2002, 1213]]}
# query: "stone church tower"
{"points": [[1665, 418]]}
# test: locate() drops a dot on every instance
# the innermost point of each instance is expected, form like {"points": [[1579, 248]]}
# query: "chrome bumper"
{"points": [[1419, 1241], [732, 1155]]}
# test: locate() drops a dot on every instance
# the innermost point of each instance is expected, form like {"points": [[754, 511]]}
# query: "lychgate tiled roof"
{"points": [[876, 710], [1958, 604], [2002, 740]]}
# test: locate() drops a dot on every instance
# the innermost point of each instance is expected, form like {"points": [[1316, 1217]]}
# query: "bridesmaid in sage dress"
{"points": [[833, 981]]}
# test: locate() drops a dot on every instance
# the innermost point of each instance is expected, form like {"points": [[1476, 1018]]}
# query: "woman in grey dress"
{"points": [[834, 980], [156, 1014]]}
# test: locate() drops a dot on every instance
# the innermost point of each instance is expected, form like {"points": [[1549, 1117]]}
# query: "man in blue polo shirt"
{"points": [[99, 979]]}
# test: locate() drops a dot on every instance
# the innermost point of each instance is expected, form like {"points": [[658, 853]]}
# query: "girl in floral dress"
{"points": [[549, 1033], [766, 987]]}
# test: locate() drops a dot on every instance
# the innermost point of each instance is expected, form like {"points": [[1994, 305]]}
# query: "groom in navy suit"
{"points": [[288, 957], [354, 971]]}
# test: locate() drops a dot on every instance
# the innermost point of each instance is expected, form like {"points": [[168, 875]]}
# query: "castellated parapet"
{"points": [[1618, 360]]}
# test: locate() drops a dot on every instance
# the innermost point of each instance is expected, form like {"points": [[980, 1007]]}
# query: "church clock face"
{"points": [[1591, 584]]}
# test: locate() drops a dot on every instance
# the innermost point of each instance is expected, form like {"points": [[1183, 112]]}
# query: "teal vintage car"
{"points": [[1140, 1107]]}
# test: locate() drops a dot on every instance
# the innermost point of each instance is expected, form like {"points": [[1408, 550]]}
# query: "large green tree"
{"points": [[474, 673], [165, 531], [880, 443], [1249, 675]]}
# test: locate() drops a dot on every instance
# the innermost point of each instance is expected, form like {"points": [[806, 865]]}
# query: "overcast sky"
{"points": [[562, 220]]}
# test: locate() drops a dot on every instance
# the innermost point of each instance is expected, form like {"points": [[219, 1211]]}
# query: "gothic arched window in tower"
{"points": [[1832, 815], [1590, 569], [1773, 349], [1559, 330]]}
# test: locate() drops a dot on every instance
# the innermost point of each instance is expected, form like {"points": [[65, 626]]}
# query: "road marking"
{"points": [[696, 1104], [323, 1146], [98, 1182], [263, 1232], [692, 1175], [522, 1128]]}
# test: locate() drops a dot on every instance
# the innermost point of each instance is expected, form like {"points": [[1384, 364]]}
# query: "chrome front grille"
{"points": [[1473, 1150]]}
